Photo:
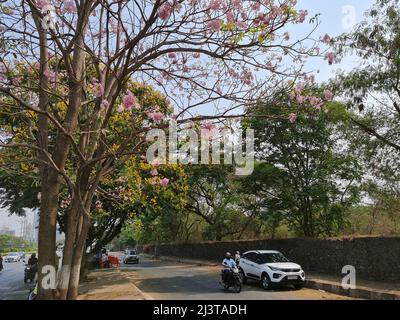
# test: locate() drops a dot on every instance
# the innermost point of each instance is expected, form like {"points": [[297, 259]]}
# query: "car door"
{"points": [[248, 264], [258, 266]]}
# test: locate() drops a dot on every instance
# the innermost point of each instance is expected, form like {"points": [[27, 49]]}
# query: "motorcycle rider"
{"points": [[33, 263], [33, 260], [1, 262], [228, 264]]}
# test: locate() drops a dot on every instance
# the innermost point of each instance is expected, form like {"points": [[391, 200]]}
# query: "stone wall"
{"points": [[375, 258]]}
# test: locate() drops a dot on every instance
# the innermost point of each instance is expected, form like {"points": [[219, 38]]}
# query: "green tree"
{"points": [[301, 177], [10, 243], [372, 89]]}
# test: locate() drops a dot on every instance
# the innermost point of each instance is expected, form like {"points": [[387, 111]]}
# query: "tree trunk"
{"points": [[69, 247], [73, 288], [47, 229], [48, 175]]}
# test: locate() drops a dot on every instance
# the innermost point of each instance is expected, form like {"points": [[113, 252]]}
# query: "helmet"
{"points": [[228, 255]]}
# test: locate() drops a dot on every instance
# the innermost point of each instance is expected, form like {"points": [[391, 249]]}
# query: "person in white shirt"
{"points": [[228, 261], [228, 264]]}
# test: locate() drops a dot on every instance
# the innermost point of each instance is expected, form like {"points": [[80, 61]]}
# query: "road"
{"points": [[171, 281], [12, 285], [177, 281]]}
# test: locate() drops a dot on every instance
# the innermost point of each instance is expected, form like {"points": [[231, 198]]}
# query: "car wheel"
{"points": [[242, 276], [265, 282]]}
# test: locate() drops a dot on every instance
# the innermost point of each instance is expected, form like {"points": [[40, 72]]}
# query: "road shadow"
{"points": [[196, 284]]}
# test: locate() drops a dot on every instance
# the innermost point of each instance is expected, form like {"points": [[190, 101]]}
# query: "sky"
{"points": [[337, 17]]}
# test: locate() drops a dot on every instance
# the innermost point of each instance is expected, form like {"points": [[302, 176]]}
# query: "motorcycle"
{"points": [[29, 273], [33, 292], [231, 278]]}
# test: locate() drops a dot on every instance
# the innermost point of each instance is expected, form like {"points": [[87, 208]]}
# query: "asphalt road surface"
{"points": [[12, 285], [171, 281], [177, 281]]}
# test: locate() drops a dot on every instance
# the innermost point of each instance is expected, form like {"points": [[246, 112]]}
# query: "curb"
{"points": [[360, 293], [145, 295], [85, 288]]}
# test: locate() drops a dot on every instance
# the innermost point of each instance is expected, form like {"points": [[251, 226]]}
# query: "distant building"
{"points": [[7, 231], [60, 237]]}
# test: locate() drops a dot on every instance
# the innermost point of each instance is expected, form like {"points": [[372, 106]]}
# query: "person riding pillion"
{"points": [[237, 257]]}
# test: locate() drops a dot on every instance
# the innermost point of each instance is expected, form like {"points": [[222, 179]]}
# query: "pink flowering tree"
{"points": [[66, 65]]}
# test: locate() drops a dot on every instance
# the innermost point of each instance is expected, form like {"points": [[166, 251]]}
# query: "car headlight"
{"points": [[274, 269]]}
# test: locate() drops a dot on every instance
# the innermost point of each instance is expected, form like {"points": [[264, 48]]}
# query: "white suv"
{"points": [[270, 268]]}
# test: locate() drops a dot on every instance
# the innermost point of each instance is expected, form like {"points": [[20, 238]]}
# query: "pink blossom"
{"points": [[209, 130], [207, 125], [286, 36], [51, 75], [302, 15], [155, 163], [98, 204], [328, 95], [42, 3], [327, 39], [130, 101], [316, 102], [292, 117], [230, 16], [330, 57], [256, 6], [98, 88], [172, 55], [69, 6], [104, 104], [300, 99], [300, 88], [241, 25], [154, 172], [156, 116], [165, 11], [215, 5], [214, 24], [164, 182], [237, 3]]}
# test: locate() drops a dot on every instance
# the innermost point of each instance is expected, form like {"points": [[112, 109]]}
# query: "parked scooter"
{"points": [[231, 278]]}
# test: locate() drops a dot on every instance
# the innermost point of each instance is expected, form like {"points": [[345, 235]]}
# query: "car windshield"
{"points": [[13, 254], [132, 253], [273, 257]]}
